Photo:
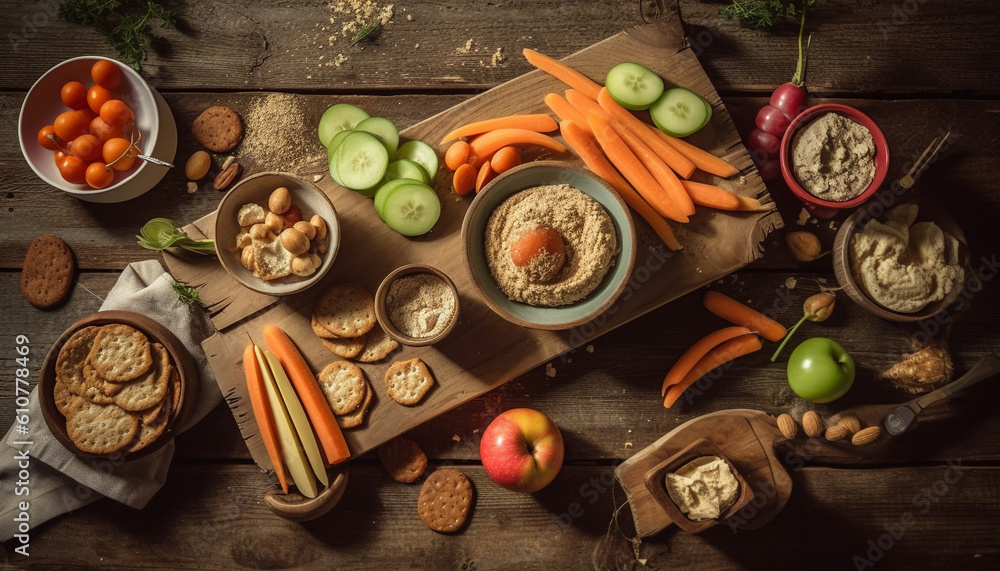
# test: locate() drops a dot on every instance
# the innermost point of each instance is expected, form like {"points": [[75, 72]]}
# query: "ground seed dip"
{"points": [[420, 305], [833, 158], [588, 236]]}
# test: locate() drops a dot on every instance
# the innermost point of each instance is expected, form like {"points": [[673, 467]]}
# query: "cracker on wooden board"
{"points": [[378, 346], [120, 353], [406, 382], [343, 384], [445, 500], [357, 416], [319, 330], [403, 459], [47, 272], [150, 388], [346, 347], [100, 429], [346, 310]]}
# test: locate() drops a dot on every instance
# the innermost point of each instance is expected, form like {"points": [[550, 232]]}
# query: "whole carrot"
{"points": [[262, 413], [719, 355]]}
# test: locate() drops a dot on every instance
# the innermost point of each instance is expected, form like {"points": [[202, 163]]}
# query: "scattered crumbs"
{"points": [[791, 282], [803, 217], [590, 348], [497, 58], [814, 222], [409, 17], [628, 445], [833, 225], [416, 46], [467, 48], [743, 179], [550, 371], [309, 76], [699, 269], [274, 126], [456, 438], [475, 431], [192, 187]]}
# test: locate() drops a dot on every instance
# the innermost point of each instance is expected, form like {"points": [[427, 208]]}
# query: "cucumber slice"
{"points": [[386, 189], [359, 162], [334, 143], [383, 129], [337, 118], [422, 154], [633, 86], [405, 168], [708, 113], [679, 112], [411, 209]]}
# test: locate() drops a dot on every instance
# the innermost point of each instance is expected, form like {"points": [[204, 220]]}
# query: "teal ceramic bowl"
{"points": [[536, 174]]}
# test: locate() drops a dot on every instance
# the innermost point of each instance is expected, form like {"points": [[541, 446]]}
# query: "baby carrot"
{"points": [[505, 159], [739, 314], [457, 155], [711, 196], [315, 404], [464, 179], [262, 413], [562, 72], [565, 111], [539, 122], [677, 161], [694, 353], [656, 167], [721, 354], [701, 158], [484, 176], [490, 142]]}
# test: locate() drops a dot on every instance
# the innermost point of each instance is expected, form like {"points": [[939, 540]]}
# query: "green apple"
{"points": [[820, 370]]}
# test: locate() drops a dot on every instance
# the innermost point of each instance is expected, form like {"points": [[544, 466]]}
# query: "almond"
{"points": [[866, 436], [811, 424], [836, 432], [850, 422], [787, 426], [226, 177]]}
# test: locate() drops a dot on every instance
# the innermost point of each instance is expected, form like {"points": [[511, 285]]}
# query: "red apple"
{"points": [[522, 450]]}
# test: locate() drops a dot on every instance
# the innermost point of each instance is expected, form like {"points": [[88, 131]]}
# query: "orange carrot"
{"points": [[656, 167], [505, 159], [739, 314], [678, 162], [694, 353], [464, 179], [711, 196], [484, 176], [490, 142], [315, 404], [585, 146], [748, 203], [262, 412], [562, 72], [701, 158], [566, 112], [582, 103], [633, 171], [720, 355], [538, 122], [457, 155]]}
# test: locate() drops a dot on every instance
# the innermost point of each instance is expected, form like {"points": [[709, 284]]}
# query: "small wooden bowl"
{"points": [[701, 447], [382, 312], [155, 332], [296, 507]]}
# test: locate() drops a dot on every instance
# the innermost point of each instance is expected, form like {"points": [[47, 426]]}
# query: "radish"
{"points": [[787, 101]]}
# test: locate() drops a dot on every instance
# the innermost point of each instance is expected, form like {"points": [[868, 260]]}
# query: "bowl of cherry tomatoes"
{"points": [[84, 124]]}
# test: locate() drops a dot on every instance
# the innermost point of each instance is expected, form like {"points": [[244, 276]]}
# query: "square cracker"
{"points": [[346, 310], [406, 382], [120, 353]]}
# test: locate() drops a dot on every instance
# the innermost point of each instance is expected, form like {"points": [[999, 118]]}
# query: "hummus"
{"points": [[703, 488], [588, 238], [833, 158], [903, 265]]}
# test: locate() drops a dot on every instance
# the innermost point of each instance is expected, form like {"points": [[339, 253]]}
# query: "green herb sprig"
{"points": [[127, 24], [162, 234], [187, 294], [759, 14]]}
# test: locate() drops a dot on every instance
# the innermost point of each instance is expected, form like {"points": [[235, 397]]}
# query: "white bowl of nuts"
{"points": [[276, 234]]}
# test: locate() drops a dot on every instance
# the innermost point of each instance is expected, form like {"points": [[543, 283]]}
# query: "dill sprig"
{"points": [[126, 24], [187, 294], [758, 14]]}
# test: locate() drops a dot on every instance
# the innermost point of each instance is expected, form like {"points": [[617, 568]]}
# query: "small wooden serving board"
{"points": [[485, 351]]}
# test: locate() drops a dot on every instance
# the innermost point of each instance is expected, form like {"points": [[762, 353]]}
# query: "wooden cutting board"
{"points": [[484, 351]]}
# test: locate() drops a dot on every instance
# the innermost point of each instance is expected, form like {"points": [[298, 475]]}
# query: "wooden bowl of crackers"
{"points": [[116, 385]]}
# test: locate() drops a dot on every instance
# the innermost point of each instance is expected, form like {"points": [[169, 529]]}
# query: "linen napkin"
{"points": [[60, 481]]}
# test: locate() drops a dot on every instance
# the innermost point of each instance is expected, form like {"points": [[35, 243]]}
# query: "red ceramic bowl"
{"points": [[818, 206]]}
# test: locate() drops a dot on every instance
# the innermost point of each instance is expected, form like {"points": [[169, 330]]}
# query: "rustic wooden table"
{"points": [[917, 67]]}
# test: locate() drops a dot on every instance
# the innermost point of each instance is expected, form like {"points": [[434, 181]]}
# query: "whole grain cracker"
{"points": [[218, 129], [149, 431], [62, 397], [47, 272], [319, 330], [347, 347], [92, 378], [343, 385], [150, 388], [100, 429], [357, 417], [445, 500], [406, 382], [402, 459], [346, 310], [71, 365], [120, 353], [175, 393], [378, 346]]}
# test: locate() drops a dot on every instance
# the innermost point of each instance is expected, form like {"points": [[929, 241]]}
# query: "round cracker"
{"points": [[357, 417], [346, 310], [406, 382], [150, 388], [346, 347], [47, 273], [120, 353], [218, 129], [403, 459], [378, 346], [445, 500], [100, 429], [343, 385], [149, 431], [72, 357]]}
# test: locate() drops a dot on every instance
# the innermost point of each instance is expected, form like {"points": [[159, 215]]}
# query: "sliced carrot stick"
{"points": [[748, 203], [315, 404], [711, 196], [656, 167], [585, 146], [633, 171], [562, 72], [490, 142], [701, 158], [678, 162], [697, 351], [566, 112], [582, 103], [739, 314], [538, 122], [720, 355], [262, 413]]}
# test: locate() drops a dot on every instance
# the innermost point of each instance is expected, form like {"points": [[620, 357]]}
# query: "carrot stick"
{"points": [[490, 142], [739, 314], [748, 203], [721, 354], [319, 411], [582, 103], [701, 158], [656, 167], [538, 122], [711, 196], [694, 353], [678, 162], [633, 171], [262, 412], [585, 146], [562, 72], [566, 112]]}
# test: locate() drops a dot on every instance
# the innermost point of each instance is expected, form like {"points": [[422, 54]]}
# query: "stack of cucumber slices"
{"points": [[365, 155], [677, 111]]}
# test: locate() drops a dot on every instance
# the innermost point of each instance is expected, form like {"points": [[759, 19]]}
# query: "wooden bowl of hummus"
{"points": [[548, 246]]}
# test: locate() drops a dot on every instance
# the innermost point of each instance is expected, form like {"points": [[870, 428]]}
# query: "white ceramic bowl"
{"points": [[257, 188], [43, 104]]}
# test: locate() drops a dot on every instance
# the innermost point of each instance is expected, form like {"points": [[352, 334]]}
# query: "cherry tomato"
{"points": [[790, 99], [121, 152], [73, 169], [772, 120], [44, 139], [74, 95], [106, 74], [98, 96], [87, 147], [70, 125], [59, 156], [98, 175], [87, 114], [103, 131], [116, 113]]}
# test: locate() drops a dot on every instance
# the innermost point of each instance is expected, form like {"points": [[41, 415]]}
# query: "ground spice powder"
{"points": [[420, 305]]}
